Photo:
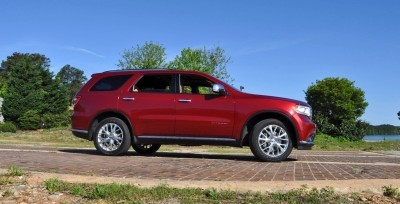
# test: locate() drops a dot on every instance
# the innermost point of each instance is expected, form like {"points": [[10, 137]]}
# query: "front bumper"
{"points": [[306, 145], [81, 134]]}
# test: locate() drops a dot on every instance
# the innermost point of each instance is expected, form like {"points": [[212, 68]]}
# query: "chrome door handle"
{"points": [[184, 100], [128, 99]]}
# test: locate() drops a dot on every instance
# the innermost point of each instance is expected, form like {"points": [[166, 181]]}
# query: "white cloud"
{"points": [[84, 50]]}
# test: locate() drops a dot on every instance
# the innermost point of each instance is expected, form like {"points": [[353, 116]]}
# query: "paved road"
{"points": [[300, 166]]}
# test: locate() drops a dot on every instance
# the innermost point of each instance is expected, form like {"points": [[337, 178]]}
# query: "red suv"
{"points": [[147, 108]]}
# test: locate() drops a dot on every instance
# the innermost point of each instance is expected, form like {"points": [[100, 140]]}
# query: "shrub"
{"points": [[30, 120], [350, 129], [337, 106], [56, 120], [8, 127]]}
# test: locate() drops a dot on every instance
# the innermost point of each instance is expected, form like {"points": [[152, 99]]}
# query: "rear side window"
{"points": [[154, 83], [110, 83]]}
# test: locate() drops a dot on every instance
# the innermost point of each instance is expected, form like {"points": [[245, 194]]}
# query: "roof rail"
{"points": [[133, 70]]}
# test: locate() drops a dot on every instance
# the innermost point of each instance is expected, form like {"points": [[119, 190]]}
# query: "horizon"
{"points": [[276, 49]]}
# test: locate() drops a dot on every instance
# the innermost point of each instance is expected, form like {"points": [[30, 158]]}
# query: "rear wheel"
{"points": [[146, 148], [270, 141], [112, 137]]}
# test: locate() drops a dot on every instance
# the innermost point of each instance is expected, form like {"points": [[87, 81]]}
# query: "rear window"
{"points": [[110, 83]]}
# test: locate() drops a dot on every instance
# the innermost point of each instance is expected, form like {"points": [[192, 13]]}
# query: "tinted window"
{"points": [[110, 83], [154, 83], [193, 84]]}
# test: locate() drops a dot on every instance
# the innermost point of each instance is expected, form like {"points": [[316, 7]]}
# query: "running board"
{"points": [[187, 140]]}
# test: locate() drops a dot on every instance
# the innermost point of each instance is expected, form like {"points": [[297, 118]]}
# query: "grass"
{"points": [[8, 192], [391, 192], [15, 171], [54, 137], [62, 137], [4, 180], [326, 142], [125, 193], [12, 171]]}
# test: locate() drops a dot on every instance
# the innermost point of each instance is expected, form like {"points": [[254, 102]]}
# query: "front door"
{"points": [[200, 112]]}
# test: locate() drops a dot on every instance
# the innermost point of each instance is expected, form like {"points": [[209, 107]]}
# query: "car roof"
{"points": [[142, 71]]}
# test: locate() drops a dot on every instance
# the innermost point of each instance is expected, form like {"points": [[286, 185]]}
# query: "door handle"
{"points": [[128, 99], [184, 100]]}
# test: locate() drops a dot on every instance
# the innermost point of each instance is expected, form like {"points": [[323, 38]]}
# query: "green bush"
{"points": [[337, 106], [8, 127], [56, 120], [350, 129], [30, 120]]}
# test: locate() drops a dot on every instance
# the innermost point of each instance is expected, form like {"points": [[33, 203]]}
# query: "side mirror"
{"points": [[218, 88]]}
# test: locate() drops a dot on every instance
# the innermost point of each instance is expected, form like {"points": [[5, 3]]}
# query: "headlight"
{"points": [[304, 110]]}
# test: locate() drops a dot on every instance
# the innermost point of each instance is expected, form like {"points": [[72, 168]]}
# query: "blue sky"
{"points": [[277, 47]]}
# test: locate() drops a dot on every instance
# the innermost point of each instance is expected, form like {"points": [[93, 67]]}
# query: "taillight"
{"points": [[76, 100]]}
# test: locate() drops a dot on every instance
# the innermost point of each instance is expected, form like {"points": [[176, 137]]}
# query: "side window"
{"points": [[193, 84], [110, 83], [154, 83]]}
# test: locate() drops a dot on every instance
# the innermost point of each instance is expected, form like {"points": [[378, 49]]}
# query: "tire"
{"points": [[271, 141], [146, 149], [112, 137]]}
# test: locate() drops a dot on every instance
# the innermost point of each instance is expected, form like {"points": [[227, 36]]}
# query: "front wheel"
{"points": [[270, 141], [146, 148]]}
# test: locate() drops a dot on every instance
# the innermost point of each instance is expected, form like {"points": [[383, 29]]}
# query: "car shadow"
{"points": [[177, 155]]}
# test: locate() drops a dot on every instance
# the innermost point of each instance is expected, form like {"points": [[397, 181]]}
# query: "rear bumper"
{"points": [[306, 145], [84, 134]]}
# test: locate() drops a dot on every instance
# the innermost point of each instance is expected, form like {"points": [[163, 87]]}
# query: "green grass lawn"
{"points": [[55, 137], [326, 142], [62, 137]]}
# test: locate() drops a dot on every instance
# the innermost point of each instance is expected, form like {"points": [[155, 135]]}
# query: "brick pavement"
{"points": [[300, 166]]}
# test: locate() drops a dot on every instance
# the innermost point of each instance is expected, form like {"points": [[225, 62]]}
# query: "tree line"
{"points": [[383, 130]]}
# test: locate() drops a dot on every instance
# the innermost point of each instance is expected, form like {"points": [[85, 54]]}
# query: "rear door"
{"points": [[150, 104], [199, 111]]}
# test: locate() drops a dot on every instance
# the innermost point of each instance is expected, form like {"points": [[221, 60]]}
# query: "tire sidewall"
{"points": [[255, 148], [151, 150], [126, 141]]}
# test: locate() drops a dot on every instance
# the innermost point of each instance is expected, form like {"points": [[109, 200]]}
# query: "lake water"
{"points": [[381, 137]]}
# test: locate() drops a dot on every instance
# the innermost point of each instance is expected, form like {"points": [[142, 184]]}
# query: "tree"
{"points": [[212, 61], [31, 87], [3, 77], [72, 78], [337, 105], [149, 56]]}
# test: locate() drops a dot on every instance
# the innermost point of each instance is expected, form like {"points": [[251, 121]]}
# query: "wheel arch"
{"points": [[262, 115], [107, 114]]}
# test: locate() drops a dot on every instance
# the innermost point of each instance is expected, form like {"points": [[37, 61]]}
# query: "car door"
{"points": [[150, 104], [199, 111]]}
